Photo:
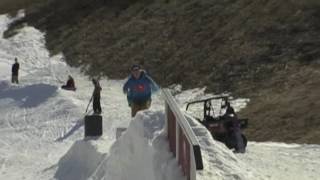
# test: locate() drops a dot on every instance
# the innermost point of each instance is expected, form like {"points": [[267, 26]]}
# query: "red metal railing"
{"points": [[182, 140]]}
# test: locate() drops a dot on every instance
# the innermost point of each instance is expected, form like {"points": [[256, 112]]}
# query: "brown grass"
{"points": [[12, 6], [288, 112]]}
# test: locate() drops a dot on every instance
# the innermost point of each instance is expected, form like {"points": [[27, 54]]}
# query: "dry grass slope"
{"points": [[11, 6]]}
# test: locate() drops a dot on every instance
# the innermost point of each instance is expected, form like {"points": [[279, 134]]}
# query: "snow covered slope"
{"points": [[41, 129]]}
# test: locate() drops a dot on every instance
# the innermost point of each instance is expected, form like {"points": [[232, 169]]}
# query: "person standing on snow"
{"points": [[15, 71], [139, 88], [234, 126], [96, 97]]}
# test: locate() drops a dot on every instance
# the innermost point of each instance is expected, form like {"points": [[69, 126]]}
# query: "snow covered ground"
{"points": [[41, 129]]}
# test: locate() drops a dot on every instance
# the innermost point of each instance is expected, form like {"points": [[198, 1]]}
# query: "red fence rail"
{"points": [[182, 140]]}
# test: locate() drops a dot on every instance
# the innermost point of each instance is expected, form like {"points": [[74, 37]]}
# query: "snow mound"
{"points": [[80, 161], [141, 153]]}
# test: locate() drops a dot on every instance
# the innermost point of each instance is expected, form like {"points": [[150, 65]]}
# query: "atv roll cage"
{"points": [[209, 110]]}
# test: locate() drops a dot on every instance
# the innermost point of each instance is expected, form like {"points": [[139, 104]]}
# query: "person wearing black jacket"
{"points": [[234, 127], [70, 84], [96, 97], [15, 72]]}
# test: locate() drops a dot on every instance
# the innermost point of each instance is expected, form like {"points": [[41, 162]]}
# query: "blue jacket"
{"points": [[139, 90]]}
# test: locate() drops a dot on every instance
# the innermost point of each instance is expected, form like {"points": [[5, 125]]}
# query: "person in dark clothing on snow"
{"points": [[234, 127], [229, 110], [70, 84], [15, 71], [139, 88], [96, 97]]}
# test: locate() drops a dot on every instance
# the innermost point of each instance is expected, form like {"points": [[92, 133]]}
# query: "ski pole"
{"points": [[89, 104]]}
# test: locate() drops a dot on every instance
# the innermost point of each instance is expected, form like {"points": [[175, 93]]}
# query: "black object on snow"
{"points": [[93, 125]]}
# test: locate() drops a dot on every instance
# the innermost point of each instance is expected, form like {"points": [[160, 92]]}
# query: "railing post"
{"points": [[172, 131]]}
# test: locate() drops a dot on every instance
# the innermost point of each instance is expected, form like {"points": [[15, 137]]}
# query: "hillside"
{"points": [[265, 50]]}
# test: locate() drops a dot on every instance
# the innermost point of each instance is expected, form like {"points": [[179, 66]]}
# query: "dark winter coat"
{"points": [[70, 83], [139, 90], [15, 69], [96, 91], [230, 111]]}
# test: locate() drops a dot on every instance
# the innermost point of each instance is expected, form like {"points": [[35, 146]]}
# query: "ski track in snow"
{"points": [[41, 129]]}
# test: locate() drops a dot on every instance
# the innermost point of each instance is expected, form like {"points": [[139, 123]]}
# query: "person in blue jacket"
{"points": [[139, 88]]}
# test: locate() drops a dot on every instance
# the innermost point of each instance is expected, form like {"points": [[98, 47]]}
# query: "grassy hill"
{"points": [[266, 50], [12, 6]]}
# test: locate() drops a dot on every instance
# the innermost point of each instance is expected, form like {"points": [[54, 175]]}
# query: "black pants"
{"points": [[96, 105], [14, 79]]}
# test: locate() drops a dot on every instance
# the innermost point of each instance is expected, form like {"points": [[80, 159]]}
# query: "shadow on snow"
{"points": [[29, 96], [71, 131]]}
